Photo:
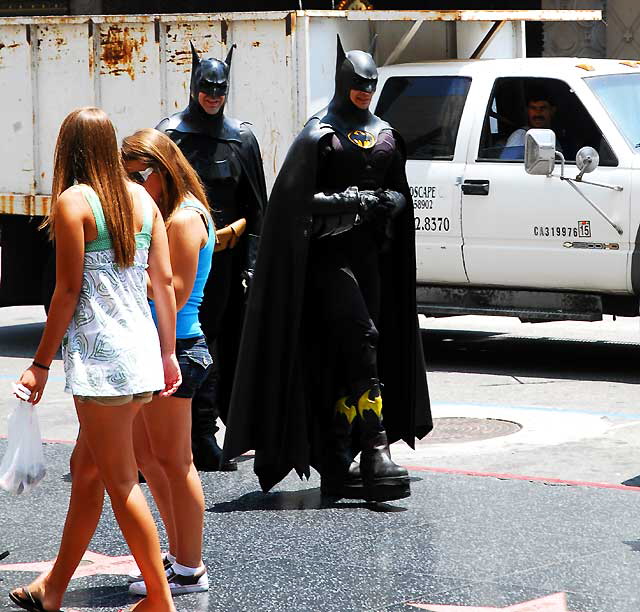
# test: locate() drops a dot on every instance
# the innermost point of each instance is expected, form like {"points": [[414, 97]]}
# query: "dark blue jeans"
{"points": [[195, 362]]}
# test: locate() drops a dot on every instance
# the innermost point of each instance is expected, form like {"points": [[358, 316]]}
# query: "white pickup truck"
{"points": [[493, 239]]}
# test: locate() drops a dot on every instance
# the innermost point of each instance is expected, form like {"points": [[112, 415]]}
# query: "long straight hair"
{"points": [[178, 178], [87, 153]]}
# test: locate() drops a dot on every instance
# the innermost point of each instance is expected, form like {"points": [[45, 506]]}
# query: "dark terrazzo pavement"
{"points": [[459, 540]]}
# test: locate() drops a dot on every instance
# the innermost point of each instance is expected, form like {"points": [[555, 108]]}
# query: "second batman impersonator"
{"points": [[225, 154], [331, 333]]}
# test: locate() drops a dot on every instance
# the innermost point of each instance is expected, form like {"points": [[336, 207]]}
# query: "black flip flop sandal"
{"points": [[30, 602]]}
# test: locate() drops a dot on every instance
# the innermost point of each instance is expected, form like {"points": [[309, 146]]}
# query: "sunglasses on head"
{"points": [[142, 175]]}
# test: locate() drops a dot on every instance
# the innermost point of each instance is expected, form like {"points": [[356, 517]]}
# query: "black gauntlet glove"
{"points": [[246, 275], [381, 204], [392, 201], [335, 213]]}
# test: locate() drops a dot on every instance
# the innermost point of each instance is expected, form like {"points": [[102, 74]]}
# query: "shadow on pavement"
{"points": [[98, 597], [504, 354], [632, 482], [20, 340], [305, 499]]}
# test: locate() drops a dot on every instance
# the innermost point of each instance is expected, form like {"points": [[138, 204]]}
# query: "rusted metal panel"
{"points": [[129, 74], [16, 119], [263, 87], [469, 15], [22, 204], [207, 39], [62, 82], [465, 15]]}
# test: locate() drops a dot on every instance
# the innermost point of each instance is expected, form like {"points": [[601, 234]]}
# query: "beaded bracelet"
{"points": [[41, 366]]}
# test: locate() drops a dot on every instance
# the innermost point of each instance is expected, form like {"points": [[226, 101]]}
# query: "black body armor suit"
{"points": [[225, 154], [332, 311]]}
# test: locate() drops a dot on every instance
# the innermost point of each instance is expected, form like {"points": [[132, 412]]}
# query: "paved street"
{"points": [[519, 407]]}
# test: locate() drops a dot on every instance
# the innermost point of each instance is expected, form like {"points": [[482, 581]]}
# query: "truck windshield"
{"points": [[620, 96]]}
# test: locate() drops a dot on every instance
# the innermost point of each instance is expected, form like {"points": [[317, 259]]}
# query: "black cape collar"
{"points": [[193, 120]]}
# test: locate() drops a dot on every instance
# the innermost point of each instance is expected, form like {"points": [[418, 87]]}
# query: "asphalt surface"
{"points": [[525, 492]]}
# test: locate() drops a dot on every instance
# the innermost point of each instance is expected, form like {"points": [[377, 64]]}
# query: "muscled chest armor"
{"points": [[343, 164], [220, 171]]}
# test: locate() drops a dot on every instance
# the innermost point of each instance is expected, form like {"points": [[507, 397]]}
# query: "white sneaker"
{"points": [[136, 575], [178, 583]]}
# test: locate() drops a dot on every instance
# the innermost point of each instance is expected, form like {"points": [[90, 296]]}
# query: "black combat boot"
{"points": [[207, 455], [340, 476], [383, 480]]}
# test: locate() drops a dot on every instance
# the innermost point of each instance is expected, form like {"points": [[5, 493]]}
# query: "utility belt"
{"points": [[228, 236]]}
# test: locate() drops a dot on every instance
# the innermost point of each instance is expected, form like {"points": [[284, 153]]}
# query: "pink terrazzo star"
{"points": [[550, 603], [91, 565]]}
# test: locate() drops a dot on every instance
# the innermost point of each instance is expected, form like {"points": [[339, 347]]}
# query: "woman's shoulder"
{"points": [[73, 201], [137, 192], [186, 216], [141, 198]]}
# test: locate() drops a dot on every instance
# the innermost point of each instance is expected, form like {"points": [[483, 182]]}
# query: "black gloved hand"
{"points": [[390, 202], [369, 202]]}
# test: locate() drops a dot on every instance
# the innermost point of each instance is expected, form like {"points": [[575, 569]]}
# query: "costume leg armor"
{"points": [[205, 410], [207, 454], [383, 479], [340, 473]]}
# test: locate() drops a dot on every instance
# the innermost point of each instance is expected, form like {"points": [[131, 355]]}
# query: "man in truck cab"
{"points": [[540, 111], [225, 154]]}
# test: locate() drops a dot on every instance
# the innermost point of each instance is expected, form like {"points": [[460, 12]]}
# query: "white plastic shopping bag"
{"points": [[22, 466]]}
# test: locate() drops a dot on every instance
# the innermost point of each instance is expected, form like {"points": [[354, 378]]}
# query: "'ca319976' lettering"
{"points": [[555, 231]]}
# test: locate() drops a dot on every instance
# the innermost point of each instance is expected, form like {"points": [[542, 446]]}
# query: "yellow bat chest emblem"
{"points": [[362, 139]]}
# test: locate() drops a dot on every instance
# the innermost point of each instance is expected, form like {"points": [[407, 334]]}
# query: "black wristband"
{"points": [[41, 366]]}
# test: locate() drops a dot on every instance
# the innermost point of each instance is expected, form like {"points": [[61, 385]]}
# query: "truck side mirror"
{"points": [[539, 152], [587, 160]]}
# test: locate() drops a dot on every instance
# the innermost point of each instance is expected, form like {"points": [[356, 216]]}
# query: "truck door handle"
{"points": [[475, 187]]}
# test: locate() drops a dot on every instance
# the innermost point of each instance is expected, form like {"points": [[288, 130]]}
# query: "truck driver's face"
{"points": [[540, 113]]}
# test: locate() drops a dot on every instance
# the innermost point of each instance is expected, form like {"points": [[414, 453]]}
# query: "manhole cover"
{"points": [[463, 429]]}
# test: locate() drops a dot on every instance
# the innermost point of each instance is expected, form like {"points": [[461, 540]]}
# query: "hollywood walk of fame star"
{"points": [[91, 565], [551, 603]]}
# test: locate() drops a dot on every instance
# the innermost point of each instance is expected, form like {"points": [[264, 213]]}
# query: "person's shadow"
{"points": [[305, 499], [632, 482]]}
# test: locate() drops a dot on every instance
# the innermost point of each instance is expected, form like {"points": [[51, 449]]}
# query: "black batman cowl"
{"points": [[210, 76], [354, 70]]}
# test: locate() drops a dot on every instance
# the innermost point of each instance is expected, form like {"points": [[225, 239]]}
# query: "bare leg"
{"points": [[108, 431], [85, 508], [155, 477], [171, 447]]}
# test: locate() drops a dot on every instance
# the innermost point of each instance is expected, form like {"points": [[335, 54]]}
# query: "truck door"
{"points": [[532, 231], [427, 111]]}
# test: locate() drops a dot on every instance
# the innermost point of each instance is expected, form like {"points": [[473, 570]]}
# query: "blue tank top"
{"points": [[187, 323]]}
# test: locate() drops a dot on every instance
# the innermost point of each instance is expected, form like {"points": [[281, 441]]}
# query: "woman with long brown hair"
{"points": [[164, 453], [107, 231]]}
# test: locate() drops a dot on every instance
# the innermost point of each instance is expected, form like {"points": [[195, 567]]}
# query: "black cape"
{"points": [[269, 409]]}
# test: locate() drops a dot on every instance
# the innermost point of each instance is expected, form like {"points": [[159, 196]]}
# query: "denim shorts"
{"points": [[194, 360]]}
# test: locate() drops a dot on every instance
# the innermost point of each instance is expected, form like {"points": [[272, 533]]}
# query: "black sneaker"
{"points": [[178, 584]]}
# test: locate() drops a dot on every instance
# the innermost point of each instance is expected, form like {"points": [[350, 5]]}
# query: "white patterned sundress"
{"points": [[111, 347]]}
